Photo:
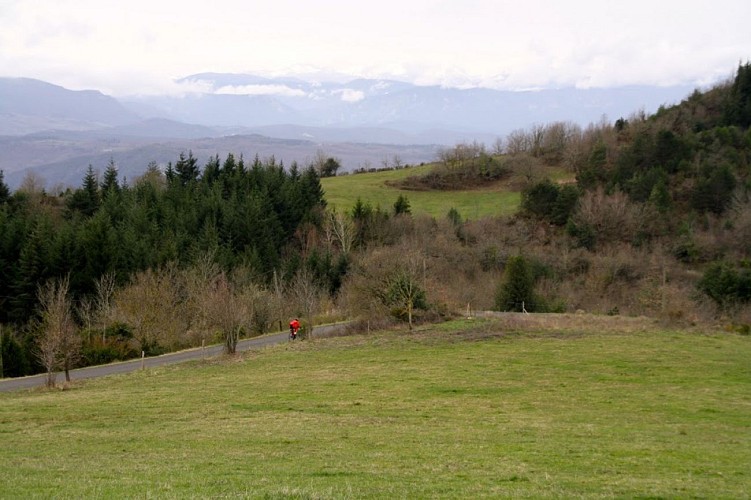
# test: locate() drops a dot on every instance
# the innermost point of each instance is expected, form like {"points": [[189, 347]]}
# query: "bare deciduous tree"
{"points": [[105, 290], [324, 165], [340, 228], [279, 298], [460, 154], [85, 311], [58, 345], [228, 312], [526, 169], [197, 283], [518, 142], [384, 284], [306, 294], [401, 286], [499, 146], [557, 137], [611, 216], [396, 161], [150, 305], [536, 136]]}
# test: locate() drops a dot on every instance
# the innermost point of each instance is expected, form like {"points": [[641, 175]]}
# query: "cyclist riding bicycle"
{"points": [[294, 326]]}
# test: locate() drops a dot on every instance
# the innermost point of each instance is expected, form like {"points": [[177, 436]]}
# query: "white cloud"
{"points": [[351, 95], [281, 90], [141, 46]]}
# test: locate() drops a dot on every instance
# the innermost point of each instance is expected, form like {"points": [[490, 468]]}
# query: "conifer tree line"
{"points": [[249, 218]]}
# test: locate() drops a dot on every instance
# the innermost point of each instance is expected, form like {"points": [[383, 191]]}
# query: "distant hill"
{"points": [[252, 101], [429, 114], [28, 105], [64, 157]]}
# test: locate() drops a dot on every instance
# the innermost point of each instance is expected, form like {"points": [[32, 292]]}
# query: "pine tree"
{"points": [[187, 169], [515, 292], [401, 205], [4, 190], [738, 106], [86, 199], [110, 184]]}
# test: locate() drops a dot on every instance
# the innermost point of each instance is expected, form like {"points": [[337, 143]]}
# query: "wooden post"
{"points": [[143, 360]]}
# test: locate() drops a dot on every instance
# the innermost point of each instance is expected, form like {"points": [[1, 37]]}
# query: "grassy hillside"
{"points": [[522, 406], [342, 192]]}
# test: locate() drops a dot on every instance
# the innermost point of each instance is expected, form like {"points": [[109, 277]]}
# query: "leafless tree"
{"points": [[85, 312], [105, 290], [518, 142], [151, 305], [526, 168], [325, 165], [340, 228], [227, 312], [279, 297], [612, 216], [396, 161], [402, 289], [460, 154], [319, 160], [556, 139], [197, 282], [536, 137], [58, 345], [388, 282], [32, 183], [306, 294], [499, 146]]}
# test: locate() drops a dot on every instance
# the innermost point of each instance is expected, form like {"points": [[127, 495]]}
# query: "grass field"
{"points": [[342, 192], [536, 406]]}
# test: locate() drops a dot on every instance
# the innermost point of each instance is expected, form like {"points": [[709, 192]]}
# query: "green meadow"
{"points": [[516, 406], [342, 192]]}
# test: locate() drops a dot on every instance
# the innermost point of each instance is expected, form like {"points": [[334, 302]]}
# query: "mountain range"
{"points": [[58, 132]]}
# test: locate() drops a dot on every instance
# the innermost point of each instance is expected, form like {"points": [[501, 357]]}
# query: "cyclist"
{"points": [[294, 326]]}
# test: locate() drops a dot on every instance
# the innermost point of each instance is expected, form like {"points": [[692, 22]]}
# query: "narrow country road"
{"points": [[14, 384]]}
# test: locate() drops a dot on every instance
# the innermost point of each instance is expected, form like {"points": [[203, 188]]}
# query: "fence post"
{"points": [[143, 360]]}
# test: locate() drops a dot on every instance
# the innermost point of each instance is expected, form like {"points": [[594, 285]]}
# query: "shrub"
{"points": [[115, 345], [550, 202], [726, 285]]}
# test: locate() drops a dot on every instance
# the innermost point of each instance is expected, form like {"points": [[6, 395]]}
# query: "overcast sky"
{"points": [[142, 46]]}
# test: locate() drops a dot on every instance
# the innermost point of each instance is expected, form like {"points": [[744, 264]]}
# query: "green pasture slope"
{"points": [[342, 192], [465, 409]]}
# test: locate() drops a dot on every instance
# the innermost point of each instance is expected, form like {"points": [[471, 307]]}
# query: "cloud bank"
{"points": [[141, 46]]}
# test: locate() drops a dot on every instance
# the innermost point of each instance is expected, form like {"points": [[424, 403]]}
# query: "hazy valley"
{"points": [[58, 133]]}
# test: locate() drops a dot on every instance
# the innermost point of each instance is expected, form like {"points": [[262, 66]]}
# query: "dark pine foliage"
{"points": [[245, 216]]}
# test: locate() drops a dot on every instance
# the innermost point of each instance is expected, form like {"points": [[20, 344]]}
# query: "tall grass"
{"points": [[465, 409]]}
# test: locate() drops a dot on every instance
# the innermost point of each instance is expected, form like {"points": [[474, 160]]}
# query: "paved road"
{"points": [[14, 384]]}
